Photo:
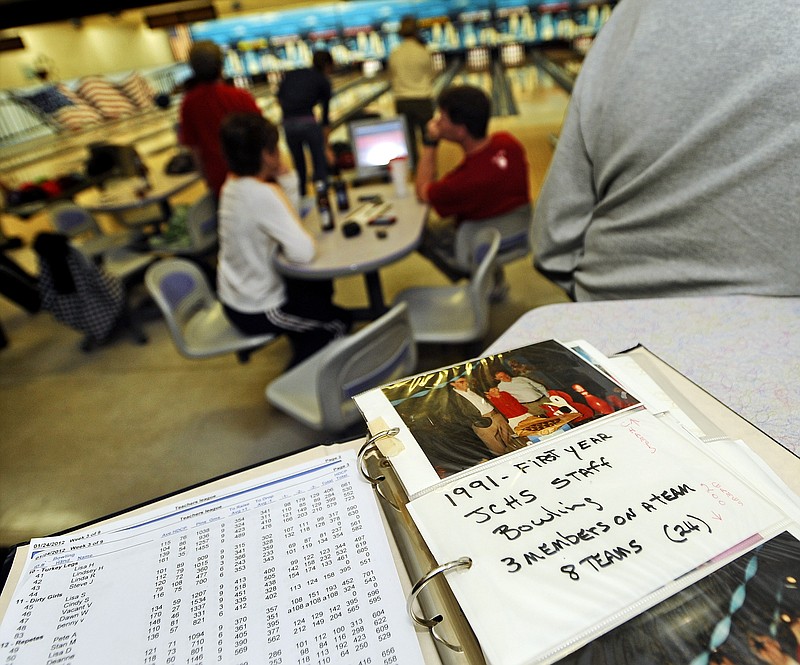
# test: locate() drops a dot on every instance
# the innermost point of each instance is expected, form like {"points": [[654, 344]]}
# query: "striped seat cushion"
{"points": [[138, 89], [78, 114], [105, 97]]}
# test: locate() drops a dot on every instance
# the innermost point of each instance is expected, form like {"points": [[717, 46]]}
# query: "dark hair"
{"points": [[205, 59], [468, 106], [321, 60], [409, 29], [244, 136]]}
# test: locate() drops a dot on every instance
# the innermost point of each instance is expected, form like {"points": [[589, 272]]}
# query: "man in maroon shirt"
{"points": [[205, 105], [491, 180]]}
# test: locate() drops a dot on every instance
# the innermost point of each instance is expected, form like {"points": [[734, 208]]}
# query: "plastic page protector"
{"points": [[566, 536]]}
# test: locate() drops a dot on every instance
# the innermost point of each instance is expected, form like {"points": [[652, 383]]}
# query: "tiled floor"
{"points": [[84, 435]]}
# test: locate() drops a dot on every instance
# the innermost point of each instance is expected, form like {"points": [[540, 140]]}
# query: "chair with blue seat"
{"points": [[109, 249], [199, 240], [201, 232], [318, 392], [514, 227], [194, 315], [458, 313]]}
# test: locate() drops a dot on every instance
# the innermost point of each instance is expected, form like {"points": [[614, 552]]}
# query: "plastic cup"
{"points": [[398, 168]]}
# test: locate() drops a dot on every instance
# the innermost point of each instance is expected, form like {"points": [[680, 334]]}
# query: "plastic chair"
{"points": [[318, 392], [194, 315], [81, 227], [514, 228], [201, 225], [111, 250], [456, 314]]}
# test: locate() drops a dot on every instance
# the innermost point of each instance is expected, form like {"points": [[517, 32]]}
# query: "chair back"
{"points": [[382, 351], [484, 252], [72, 220], [194, 315], [180, 290], [514, 227], [201, 223], [319, 391]]}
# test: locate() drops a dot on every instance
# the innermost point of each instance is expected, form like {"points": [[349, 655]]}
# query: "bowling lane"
{"points": [[530, 88]]}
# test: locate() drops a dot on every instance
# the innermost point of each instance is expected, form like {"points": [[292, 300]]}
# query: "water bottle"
{"points": [[326, 221]]}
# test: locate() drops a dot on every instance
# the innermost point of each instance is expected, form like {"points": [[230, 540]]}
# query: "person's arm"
{"points": [[565, 206], [285, 227], [325, 94], [426, 169], [289, 181]]}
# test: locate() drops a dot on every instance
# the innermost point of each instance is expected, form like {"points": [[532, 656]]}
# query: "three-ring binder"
{"points": [[463, 562], [369, 446]]}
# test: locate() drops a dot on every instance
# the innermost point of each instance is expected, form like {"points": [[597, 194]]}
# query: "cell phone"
{"points": [[383, 220], [371, 198]]}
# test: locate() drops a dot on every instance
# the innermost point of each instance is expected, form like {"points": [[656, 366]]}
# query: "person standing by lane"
{"points": [[411, 73], [205, 105], [299, 93]]}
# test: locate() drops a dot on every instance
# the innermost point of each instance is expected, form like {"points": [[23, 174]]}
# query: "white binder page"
{"points": [[566, 537]]}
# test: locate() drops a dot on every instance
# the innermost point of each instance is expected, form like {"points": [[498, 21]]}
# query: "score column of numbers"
{"points": [[289, 580]]}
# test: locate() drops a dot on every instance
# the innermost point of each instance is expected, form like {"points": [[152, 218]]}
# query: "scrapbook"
{"points": [[602, 510], [561, 524]]}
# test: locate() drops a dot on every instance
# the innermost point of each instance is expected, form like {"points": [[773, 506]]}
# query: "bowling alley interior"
{"points": [[89, 431]]}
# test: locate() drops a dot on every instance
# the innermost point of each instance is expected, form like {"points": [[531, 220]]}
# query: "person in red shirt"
{"points": [[492, 179], [205, 105], [506, 403]]}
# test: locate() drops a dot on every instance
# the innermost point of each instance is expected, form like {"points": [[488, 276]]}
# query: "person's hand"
{"points": [[794, 626], [432, 131], [767, 649]]}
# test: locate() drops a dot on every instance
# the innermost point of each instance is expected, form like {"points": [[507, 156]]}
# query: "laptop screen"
{"points": [[376, 141]]}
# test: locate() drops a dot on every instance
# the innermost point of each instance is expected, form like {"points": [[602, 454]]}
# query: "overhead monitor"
{"points": [[375, 142]]}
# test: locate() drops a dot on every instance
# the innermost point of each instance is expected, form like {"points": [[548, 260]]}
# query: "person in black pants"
{"points": [[16, 284], [300, 91]]}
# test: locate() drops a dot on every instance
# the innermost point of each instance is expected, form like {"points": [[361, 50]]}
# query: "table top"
{"points": [[123, 194], [743, 350], [338, 255]]}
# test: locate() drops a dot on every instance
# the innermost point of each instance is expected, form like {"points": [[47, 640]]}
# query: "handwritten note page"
{"points": [[566, 536], [292, 568]]}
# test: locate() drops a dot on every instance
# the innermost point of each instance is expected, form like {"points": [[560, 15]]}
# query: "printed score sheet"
{"points": [[293, 567]]}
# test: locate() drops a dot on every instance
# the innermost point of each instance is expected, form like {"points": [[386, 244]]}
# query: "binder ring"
{"points": [[367, 447], [463, 562]]}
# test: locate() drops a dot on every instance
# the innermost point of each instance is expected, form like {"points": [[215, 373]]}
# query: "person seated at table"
{"points": [[256, 219], [492, 178]]}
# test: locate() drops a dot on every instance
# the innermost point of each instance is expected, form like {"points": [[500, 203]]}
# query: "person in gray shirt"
{"points": [[677, 170]]}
